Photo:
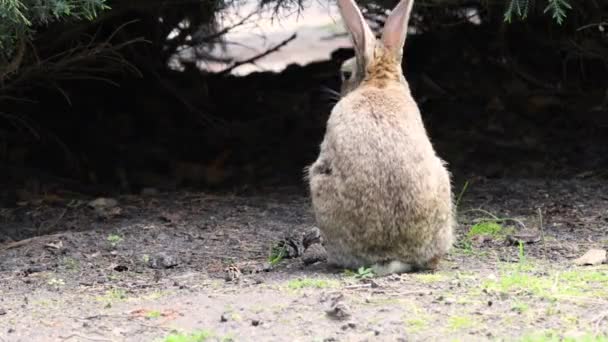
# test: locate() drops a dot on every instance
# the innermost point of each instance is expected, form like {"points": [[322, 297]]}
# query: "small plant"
{"points": [[360, 273], [277, 254], [521, 253], [114, 240]]}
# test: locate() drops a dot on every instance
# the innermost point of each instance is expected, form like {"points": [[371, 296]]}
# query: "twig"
{"points": [[464, 188], [90, 338], [24, 242], [258, 56], [542, 232], [358, 286]]}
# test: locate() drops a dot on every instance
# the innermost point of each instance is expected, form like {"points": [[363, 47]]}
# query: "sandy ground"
{"points": [[162, 266]]}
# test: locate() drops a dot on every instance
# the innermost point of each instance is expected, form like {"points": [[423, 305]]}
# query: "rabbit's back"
{"points": [[388, 192]]}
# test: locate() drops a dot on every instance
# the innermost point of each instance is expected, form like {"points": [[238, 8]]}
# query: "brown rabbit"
{"points": [[381, 196]]}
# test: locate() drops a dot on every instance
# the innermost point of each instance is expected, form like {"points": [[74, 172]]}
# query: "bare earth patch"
{"points": [[195, 267]]}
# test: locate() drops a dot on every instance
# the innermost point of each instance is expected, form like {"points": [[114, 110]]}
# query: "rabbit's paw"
{"points": [[392, 267]]}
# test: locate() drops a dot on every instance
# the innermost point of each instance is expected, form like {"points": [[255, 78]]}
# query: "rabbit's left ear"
{"points": [[395, 28]]}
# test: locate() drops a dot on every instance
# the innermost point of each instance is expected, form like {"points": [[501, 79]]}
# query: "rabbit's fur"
{"points": [[381, 196]]}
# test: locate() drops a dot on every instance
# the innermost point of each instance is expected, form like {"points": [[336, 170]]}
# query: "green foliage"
{"points": [[361, 273], [521, 9], [20, 18]]}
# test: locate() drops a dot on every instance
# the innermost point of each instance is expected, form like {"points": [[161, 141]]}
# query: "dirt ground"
{"points": [[187, 266]]}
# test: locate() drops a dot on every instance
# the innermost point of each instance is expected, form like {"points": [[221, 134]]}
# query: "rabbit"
{"points": [[381, 196]]}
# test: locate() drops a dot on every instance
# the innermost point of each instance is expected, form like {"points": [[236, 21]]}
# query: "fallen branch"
{"points": [[258, 56]]}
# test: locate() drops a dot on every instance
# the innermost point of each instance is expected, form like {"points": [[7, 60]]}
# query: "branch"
{"points": [[258, 56]]}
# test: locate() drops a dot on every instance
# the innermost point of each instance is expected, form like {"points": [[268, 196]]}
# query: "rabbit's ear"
{"points": [[363, 38], [395, 28]]}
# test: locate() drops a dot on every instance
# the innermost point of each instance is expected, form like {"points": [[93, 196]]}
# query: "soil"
{"points": [[143, 267]]}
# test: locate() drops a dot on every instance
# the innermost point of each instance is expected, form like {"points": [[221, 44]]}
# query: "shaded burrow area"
{"points": [[166, 130]]}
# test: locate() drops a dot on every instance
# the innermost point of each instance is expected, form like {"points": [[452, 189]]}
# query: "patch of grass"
{"points": [[552, 285], [360, 273], [552, 336], [199, 336], [113, 295], [490, 228], [416, 324], [520, 307], [153, 314], [430, 277], [114, 240], [460, 322], [311, 283]]}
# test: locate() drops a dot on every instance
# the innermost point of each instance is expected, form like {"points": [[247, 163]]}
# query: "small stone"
{"points": [[338, 311], [592, 257], [11, 330], [224, 317], [2, 312], [255, 322], [377, 332]]}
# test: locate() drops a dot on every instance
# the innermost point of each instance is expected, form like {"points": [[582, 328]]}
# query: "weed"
{"points": [[114, 240], [277, 253], [361, 273]]}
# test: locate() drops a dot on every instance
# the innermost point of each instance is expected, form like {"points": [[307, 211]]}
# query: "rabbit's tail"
{"points": [[393, 267]]}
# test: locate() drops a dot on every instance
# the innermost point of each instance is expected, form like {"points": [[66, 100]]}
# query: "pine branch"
{"points": [[558, 9]]}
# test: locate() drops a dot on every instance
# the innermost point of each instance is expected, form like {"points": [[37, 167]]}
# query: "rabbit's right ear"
{"points": [[363, 38], [395, 28]]}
